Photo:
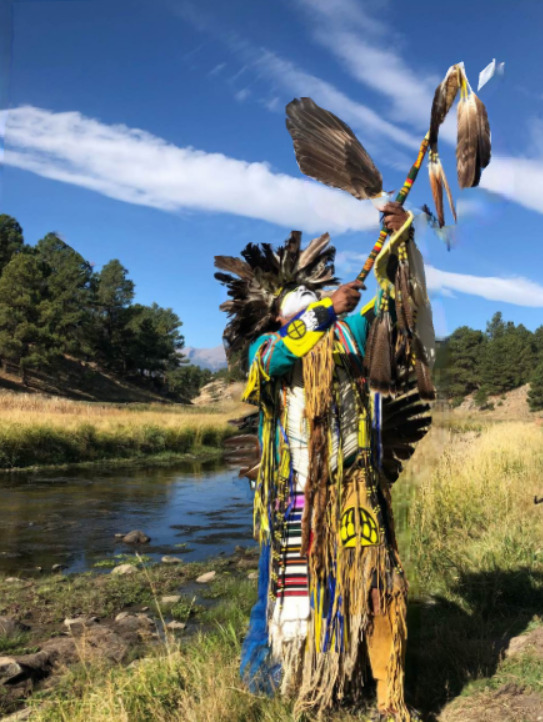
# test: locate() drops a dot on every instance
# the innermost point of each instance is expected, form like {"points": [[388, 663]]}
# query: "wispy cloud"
{"points": [[134, 166], [289, 79], [518, 291], [355, 37], [298, 82], [518, 179]]}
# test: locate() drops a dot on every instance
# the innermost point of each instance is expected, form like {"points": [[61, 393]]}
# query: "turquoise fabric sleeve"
{"points": [[277, 359], [358, 325]]}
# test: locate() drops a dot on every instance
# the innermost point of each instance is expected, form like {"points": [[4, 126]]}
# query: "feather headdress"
{"points": [[262, 276]]}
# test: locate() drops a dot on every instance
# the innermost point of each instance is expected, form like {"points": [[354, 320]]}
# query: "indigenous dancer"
{"points": [[332, 592]]}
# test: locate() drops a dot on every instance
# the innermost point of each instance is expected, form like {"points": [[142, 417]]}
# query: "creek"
{"points": [[190, 511]]}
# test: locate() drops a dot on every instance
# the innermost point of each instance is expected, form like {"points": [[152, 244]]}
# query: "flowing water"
{"points": [[190, 511], [71, 519]]}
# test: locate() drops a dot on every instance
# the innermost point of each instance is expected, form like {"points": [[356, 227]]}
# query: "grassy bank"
{"points": [[42, 431], [472, 545]]}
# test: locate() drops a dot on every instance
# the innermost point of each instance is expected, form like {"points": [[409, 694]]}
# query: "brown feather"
{"points": [[314, 248], [444, 97], [448, 190], [467, 142], [327, 150], [424, 382], [380, 375], [483, 139], [233, 265], [436, 187]]}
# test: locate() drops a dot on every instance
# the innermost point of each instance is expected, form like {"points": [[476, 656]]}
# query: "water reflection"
{"points": [[193, 511]]}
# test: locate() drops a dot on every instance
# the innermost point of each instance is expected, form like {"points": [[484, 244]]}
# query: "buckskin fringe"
{"points": [[318, 372]]}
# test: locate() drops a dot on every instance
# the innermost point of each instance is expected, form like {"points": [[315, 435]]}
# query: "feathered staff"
{"points": [[327, 150]]}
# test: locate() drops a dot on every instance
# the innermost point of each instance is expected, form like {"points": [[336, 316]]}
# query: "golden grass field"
{"points": [[41, 430], [472, 541]]}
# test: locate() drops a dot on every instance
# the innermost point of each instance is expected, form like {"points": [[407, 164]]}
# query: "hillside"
{"points": [[78, 380], [510, 405]]}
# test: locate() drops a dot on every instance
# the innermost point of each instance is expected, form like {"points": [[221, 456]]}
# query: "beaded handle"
{"points": [[400, 198]]}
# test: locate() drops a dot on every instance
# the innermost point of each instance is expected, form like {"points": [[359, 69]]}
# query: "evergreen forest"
{"points": [[53, 304], [500, 359]]}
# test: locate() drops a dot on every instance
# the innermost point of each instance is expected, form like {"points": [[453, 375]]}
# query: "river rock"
{"points": [[124, 569], [21, 715], [246, 563], [9, 669], [11, 627], [133, 622], [136, 537], [176, 626], [205, 578], [170, 560], [58, 567], [171, 599], [78, 624]]}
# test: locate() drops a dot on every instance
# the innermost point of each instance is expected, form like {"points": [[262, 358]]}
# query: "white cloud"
{"points": [[518, 291], [242, 94], [136, 167], [518, 179]]}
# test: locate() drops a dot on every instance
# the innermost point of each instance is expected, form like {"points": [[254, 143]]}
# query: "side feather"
{"points": [[327, 149], [473, 143], [444, 97]]}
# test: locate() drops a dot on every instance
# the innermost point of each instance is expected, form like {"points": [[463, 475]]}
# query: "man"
{"points": [[332, 593]]}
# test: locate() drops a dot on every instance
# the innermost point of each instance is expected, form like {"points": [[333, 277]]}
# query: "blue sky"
{"points": [[153, 131]]}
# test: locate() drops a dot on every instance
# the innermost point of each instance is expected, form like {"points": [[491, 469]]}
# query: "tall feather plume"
{"points": [[327, 149], [444, 97], [473, 148], [438, 182], [379, 356]]}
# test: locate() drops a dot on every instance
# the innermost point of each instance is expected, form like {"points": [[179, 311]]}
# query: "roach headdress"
{"points": [[261, 278]]}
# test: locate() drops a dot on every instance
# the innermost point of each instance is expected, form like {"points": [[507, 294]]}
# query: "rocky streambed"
{"points": [[52, 624]]}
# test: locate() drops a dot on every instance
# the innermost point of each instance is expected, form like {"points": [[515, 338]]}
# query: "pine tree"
{"points": [[535, 394], [508, 357], [11, 239], [153, 341], [69, 280], [460, 359], [24, 339], [114, 294]]}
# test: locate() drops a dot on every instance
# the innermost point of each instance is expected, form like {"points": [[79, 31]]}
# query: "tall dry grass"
{"points": [[475, 511], [40, 430]]}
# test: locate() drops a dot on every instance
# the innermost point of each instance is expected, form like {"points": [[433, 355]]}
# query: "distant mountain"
{"points": [[207, 358]]}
